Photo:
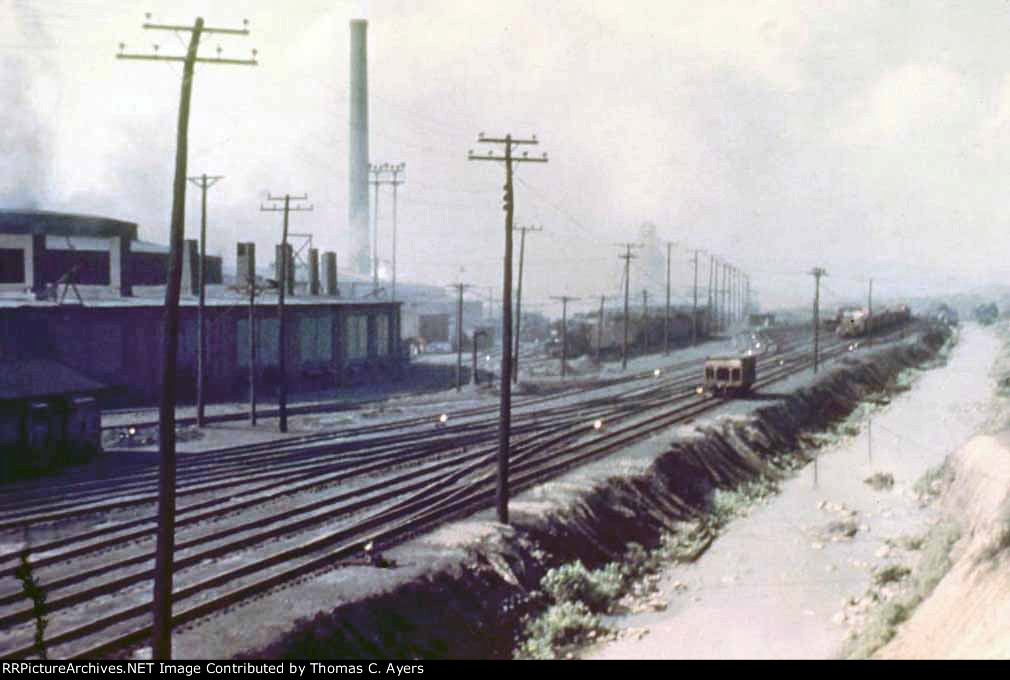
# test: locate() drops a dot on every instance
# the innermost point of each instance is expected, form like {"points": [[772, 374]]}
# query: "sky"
{"points": [[866, 137]]}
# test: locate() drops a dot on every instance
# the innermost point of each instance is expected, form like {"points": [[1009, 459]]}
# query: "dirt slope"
{"points": [[968, 614]]}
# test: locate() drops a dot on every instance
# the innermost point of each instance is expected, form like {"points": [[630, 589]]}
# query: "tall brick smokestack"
{"points": [[358, 212]]}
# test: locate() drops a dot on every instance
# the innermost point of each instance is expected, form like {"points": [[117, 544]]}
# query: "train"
{"points": [[987, 314], [855, 323], [730, 376], [39, 434], [644, 334]]}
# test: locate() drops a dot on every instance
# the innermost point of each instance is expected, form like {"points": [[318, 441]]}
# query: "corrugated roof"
{"points": [[36, 378]]}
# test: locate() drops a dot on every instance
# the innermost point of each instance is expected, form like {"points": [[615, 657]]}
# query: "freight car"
{"points": [[987, 314], [644, 334], [856, 323]]}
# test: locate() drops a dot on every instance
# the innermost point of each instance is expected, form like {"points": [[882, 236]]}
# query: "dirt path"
{"points": [[775, 583]]}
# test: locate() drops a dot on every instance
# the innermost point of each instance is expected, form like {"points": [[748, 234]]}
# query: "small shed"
{"points": [[48, 414]]}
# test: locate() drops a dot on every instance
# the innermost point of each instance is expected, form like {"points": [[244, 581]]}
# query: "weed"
{"points": [[933, 565], [880, 481], [563, 625], [574, 583], [36, 594], [891, 574]]}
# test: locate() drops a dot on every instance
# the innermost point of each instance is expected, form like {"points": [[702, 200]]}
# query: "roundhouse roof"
{"points": [[63, 224]]}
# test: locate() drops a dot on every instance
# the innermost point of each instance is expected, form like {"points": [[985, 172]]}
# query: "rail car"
{"points": [[644, 335], [730, 376], [986, 314], [859, 322]]}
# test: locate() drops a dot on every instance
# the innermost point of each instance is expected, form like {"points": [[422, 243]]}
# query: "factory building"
{"points": [[39, 250], [118, 343]]}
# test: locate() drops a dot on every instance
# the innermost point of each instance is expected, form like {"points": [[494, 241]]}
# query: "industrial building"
{"points": [[39, 250], [118, 342]]}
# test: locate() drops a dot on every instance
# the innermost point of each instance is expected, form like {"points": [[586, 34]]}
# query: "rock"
{"points": [[883, 551], [816, 545], [838, 619]]}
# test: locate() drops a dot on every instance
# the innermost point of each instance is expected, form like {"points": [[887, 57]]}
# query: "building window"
{"points": [[315, 339], [12, 265], [382, 335], [357, 336], [266, 342]]}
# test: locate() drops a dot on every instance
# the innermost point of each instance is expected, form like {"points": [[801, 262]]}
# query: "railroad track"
{"points": [[529, 357], [386, 505]]}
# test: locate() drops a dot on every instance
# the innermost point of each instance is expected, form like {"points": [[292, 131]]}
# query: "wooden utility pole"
{"points": [[817, 273], [711, 296], [519, 296], [505, 410], [725, 295], [204, 182], [460, 287], [564, 331], [694, 307], [666, 326], [161, 637], [282, 347], [252, 345], [627, 257], [645, 320], [599, 330], [869, 316]]}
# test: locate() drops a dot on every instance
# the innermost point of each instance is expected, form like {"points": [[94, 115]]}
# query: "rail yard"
{"points": [[442, 330], [253, 518]]}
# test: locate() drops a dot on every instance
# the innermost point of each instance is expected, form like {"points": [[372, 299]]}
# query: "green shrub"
{"points": [[574, 583], [564, 624]]}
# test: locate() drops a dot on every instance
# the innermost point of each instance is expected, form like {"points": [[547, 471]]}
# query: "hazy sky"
{"points": [[870, 138]]}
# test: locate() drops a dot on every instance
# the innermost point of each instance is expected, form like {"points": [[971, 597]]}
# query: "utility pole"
{"points": [[204, 182], [519, 296], [460, 287], [666, 326], [505, 411], [599, 330], [747, 295], [252, 346], [161, 637], [282, 348], [627, 257], [725, 298], [733, 299], [645, 320], [817, 273], [564, 331], [376, 171], [711, 297], [869, 316], [694, 307], [395, 169]]}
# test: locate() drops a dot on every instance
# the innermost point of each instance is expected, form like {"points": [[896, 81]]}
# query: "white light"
{"points": [[782, 362], [132, 431], [598, 425], [700, 390], [656, 372], [758, 345], [487, 358], [443, 419]]}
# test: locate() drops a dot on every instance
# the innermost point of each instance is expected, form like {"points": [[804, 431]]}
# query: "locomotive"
{"points": [[859, 322]]}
